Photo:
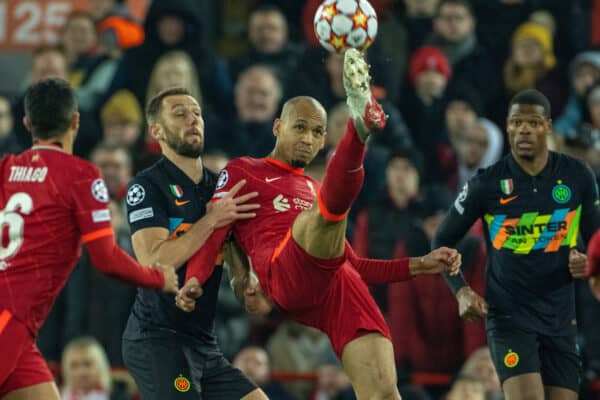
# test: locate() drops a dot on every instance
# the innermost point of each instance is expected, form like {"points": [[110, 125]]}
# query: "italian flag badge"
{"points": [[507, 186], [176, 190]]}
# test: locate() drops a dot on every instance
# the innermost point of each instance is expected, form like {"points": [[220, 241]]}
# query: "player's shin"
{"points": [[344, 176]]}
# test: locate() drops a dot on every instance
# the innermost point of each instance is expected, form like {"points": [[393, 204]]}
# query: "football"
{"points": [[341, 24]]}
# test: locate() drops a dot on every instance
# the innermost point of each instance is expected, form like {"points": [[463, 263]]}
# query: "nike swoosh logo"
{"points": [[181, 203], [508, 199], [269, 180]]}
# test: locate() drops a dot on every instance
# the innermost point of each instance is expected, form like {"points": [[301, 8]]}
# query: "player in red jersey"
{"points": [[299, 252], [51, 202]]}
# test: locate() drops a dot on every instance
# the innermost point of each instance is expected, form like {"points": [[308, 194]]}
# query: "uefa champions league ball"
{"points": [[341, 24]]}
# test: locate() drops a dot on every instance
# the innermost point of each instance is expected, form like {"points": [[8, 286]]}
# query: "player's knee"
{"points": [[384, 386]]}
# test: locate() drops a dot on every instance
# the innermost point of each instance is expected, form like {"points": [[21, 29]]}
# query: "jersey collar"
{"points": [[179, 177], [47, 146], [285, 166], [544, 173]]}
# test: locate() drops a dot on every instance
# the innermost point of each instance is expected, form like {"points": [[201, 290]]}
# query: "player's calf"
{"points": [[367, 113]]}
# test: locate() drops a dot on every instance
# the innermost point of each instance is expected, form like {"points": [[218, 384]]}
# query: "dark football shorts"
{"points": [[516, 351], [169, 368]]}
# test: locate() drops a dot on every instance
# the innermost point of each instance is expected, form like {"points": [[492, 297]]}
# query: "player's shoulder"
{"points": [[567, 162], [76, 167], [245, 162]]}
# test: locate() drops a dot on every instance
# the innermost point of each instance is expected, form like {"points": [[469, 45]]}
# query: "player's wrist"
{"points": [[416, 265]]}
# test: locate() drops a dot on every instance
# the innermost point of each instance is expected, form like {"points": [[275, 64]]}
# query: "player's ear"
{"points": [[154, 131], [27, 123], [276, 127], [74, 124]]}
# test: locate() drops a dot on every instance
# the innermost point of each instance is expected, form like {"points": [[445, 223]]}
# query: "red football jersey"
{"points": [[50, 202], [283, 193]]}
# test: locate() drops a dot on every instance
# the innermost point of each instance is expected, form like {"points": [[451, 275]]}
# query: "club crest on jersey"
{"points": [[561, 193], [511, 359], [506, 185], [100, 191], [222, 180], [135, 195], [176, 190], [182, 384]]}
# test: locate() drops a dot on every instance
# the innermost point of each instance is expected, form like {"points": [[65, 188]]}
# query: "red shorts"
{"points": [[326, 294], [21, 363]]}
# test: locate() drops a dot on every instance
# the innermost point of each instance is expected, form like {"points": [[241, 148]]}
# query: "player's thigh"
{"points": [[369, 363], [524, 387], [561, 366], [317, 236], [46, 391], [559, 393], [515, 353], [14, 339], [220, 380], [160, 369]]}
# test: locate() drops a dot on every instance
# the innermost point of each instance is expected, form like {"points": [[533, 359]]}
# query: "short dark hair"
{"points": [[155, 104], [531, 97], [49, 106], [465, 3]]}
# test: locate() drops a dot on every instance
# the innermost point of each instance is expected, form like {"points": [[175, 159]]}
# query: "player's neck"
{"points": [[532, 166], [60, 143], [192, 167], [275, 155]]}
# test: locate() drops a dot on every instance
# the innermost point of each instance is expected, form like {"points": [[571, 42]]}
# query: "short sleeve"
{"points": [[146, 206], [90, 196], [228, 177]]}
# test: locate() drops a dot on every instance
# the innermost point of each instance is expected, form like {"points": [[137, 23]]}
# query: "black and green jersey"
{"points": [[531, 223]]}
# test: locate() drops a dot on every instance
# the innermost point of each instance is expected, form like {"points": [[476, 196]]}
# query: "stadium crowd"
{"points": [[444, 71]]}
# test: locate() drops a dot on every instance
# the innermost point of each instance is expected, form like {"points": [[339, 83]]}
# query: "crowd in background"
{"points": [[444, 71]]}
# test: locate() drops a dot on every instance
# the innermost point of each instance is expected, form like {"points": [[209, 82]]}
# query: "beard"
{"points": [[298, 164], [191, 150]]}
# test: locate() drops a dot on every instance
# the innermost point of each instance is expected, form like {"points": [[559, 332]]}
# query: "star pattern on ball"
{"points": [[359, 19], [338, 42], [329, 12]]}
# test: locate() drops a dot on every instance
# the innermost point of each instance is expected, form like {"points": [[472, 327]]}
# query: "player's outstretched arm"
{"points": [[108, 258], [375, 271], [153, 245]]}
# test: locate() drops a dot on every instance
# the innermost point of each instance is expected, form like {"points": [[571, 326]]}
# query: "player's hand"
{"points": [[187, 295], [231, 208], [595, 286], [439, 260], [577, 264], [171, 282], [471, 306]]}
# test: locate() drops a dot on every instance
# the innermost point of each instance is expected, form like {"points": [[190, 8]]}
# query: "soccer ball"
{"points": [[340, 24]]}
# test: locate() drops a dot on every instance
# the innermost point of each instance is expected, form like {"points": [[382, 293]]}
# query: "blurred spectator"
{"points": [[296, 348], [532, 64], [231, 320], [174, 68], [462, 109], [584, 72], [269, 44], [479, 147], [175, 25], [418, 20], [254, 363], [438, 340], [333, 383], [373, 236], [108, 301], [8, 139], [117, 28], [479, 366], [454, 34], [121, 119], [114, 162], [85, 370], [89, 71], [51, 62], [465, 387], [215, 161], [258, 94], [423, 107]]}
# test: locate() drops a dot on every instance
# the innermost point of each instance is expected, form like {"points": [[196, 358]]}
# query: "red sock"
{"points": [[344, 176]]}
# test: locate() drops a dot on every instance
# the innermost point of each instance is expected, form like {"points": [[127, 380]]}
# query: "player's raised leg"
{"points": [[526, 386], [321, 230]]}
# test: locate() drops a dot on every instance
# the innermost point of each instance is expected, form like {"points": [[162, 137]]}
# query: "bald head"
{"points": [[301, 104]]}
